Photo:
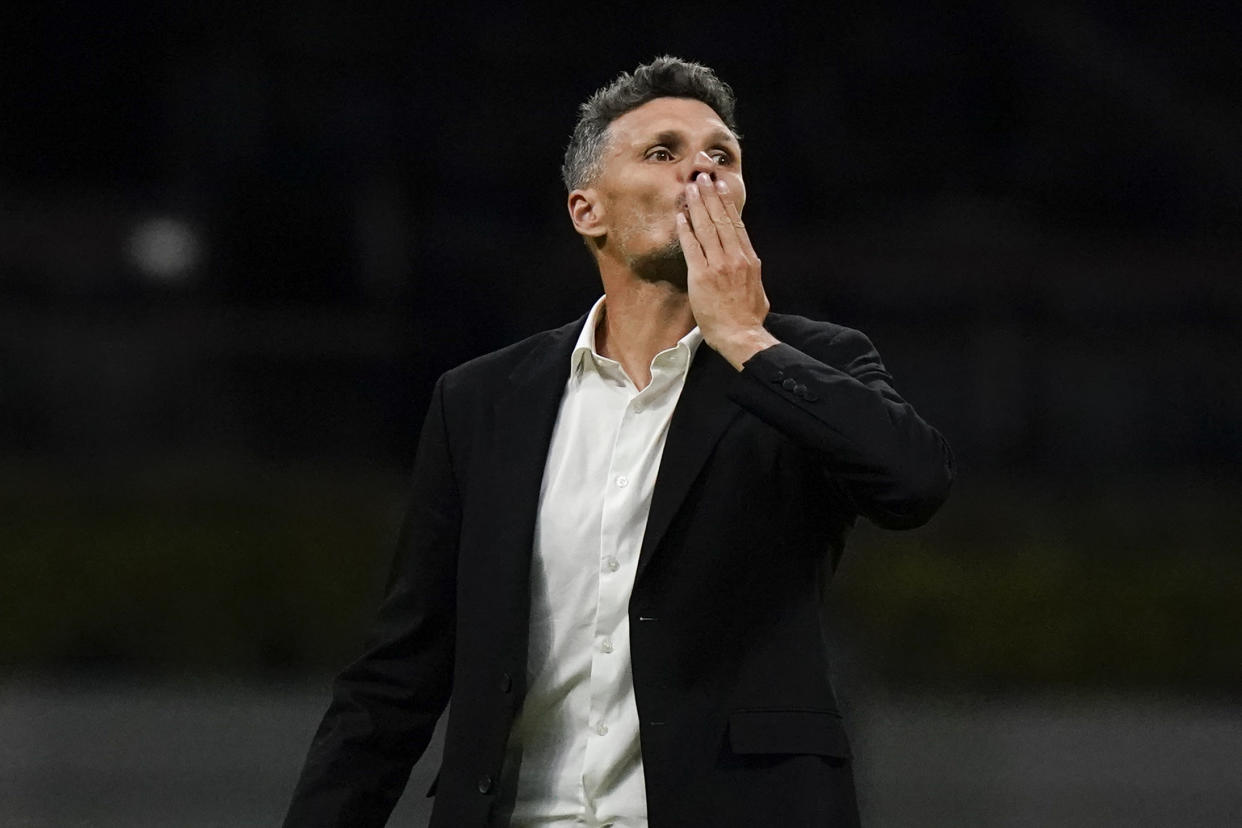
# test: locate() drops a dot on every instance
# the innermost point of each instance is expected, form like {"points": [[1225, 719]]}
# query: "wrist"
{"points": [[738, 347]]}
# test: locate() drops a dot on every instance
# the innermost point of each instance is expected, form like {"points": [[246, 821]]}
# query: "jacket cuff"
{"points": [[784, 368]]}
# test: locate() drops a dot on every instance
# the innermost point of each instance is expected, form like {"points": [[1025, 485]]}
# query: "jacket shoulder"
{"points": [[497, 365]]}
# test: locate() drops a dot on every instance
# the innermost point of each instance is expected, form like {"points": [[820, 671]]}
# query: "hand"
{"points": [[722, 273]]}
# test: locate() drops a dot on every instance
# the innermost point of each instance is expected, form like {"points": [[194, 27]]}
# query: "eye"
{"points": [[659, 154], [721, 157]]}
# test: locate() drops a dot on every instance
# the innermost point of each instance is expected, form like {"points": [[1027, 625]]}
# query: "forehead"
{"points": [[667, 115]]}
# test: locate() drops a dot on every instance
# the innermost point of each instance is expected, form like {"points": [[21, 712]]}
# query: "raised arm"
{"points": [[895, 468], [832, 394]]}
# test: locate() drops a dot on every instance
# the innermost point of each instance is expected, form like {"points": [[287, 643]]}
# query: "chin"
{"points": [[665, 263]]}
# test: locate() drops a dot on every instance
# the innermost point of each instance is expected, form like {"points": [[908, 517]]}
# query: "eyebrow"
{"points": [[673, 138]]}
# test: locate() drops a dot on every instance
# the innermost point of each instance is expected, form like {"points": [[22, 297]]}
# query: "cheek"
{"points": [[651, 208], [652, 200]]}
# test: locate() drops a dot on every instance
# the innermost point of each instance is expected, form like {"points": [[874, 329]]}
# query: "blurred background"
{"points": [[238, 242]]}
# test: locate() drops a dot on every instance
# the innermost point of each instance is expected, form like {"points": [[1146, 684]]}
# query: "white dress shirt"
{"points": [[574, 747]]}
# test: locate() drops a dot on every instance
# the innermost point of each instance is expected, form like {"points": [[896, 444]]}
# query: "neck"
{"points": [[641, 319]]}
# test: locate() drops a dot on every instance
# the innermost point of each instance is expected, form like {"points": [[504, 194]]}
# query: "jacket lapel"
{"points": [[525, 413], [702, 414]]}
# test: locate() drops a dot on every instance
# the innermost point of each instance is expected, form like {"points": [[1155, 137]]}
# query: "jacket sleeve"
{"points": [[385, 705], [892, 466]]}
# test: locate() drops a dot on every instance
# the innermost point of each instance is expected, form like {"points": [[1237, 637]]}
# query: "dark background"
{"points": [[238, 243]]}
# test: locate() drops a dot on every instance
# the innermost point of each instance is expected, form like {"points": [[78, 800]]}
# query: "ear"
{"points": [[586, 211]]}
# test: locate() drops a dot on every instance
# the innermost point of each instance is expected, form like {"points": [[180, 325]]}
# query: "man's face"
{"points": [[653, 151]]}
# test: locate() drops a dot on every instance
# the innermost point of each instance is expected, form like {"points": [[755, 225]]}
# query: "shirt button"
{"points": [[638, 408], [602, 730], [622, 482], [485, 784], [613, 564], [607, 645]]}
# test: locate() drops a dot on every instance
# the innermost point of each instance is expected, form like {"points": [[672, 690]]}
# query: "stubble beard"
{"points": [[666, 263]]}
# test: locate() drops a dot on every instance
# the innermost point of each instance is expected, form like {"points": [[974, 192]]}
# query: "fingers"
{"points": [[705, 230], [713, 200], [715, 218], [736, 218], [690, 247]]}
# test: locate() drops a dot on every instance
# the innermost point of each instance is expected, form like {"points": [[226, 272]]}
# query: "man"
{"points": [[621, 530]]}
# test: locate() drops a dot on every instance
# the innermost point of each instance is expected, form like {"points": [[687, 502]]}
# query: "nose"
{"points": [[703, 162]]}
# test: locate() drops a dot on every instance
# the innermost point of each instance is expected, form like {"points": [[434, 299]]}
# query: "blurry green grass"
{"points": [[241, 570], [229, 570], [1138, 584]]}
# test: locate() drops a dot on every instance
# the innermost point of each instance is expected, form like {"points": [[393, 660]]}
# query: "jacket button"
{"points": [[485, 784], [506, 683], [778, 376], [800, 391], [789, 384]]}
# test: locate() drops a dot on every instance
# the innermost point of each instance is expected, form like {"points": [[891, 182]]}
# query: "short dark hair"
{"points": [[664, 77]]}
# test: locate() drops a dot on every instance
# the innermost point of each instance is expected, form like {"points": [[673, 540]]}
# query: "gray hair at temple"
{"points": [[664, 77]]}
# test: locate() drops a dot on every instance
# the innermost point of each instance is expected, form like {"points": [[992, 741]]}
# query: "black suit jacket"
{"points": [[763, 474]]}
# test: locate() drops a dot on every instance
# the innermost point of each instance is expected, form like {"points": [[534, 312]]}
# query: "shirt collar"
{"points": [[584, 349]]}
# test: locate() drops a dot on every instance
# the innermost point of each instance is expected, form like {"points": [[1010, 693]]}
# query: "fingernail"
{"points": [[692, 191], [720, 185]]}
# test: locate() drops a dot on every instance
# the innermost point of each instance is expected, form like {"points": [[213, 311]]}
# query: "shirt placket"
{"points": [[618, 553]]}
